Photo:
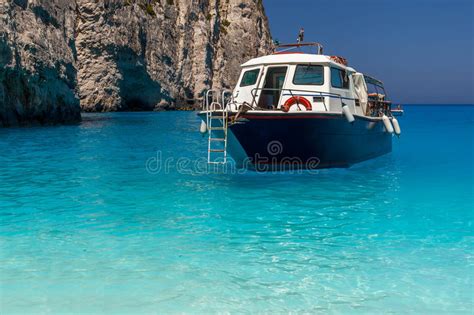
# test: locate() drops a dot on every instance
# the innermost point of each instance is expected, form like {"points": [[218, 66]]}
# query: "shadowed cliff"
{"points": [[58, 57], [38, 76]]}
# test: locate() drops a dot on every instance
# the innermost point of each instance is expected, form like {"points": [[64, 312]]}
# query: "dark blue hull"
{"points": [[307, 140]]}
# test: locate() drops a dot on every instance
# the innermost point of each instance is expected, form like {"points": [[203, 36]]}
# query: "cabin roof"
{"points": [[294, 58]]}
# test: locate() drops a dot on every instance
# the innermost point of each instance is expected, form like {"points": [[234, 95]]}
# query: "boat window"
{"points": [[339, 78], [250, 77], [309, 75]]}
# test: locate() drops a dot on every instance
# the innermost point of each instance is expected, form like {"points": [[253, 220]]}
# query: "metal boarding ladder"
{"points": [[216, 112]]}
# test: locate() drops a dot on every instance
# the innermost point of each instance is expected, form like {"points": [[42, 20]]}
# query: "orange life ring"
{"points": [[296, 100]]}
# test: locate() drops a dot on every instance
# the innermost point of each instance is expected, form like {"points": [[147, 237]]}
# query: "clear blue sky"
{"points": [[421, 49]]}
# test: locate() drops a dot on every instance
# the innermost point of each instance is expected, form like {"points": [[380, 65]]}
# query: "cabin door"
{"points": [[272, 87], [246, 91]]}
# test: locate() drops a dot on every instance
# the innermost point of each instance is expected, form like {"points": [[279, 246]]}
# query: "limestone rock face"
{"points": [[37, 62], [148, 54], [60, 56]]}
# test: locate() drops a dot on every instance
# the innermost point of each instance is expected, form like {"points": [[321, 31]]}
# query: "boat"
{"points": [[397, 111], [298, 109]]}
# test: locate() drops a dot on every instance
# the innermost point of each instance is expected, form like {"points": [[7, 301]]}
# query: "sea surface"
{"points": [[118, 216]]}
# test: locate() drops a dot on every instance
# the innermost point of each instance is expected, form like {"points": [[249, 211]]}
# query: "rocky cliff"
{"points": [[37, 62], [120, 54]]}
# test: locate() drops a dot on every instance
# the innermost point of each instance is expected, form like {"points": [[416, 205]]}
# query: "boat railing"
{"points": [[297, 92], [226, 98], [209, 98], [284, 48], [221, 100], [376, 107], [217, 100], [377, 102]]}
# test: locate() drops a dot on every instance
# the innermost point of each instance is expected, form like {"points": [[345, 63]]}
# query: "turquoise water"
{"points": [[87, 227]]}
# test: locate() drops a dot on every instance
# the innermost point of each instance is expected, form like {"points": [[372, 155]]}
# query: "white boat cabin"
{"points": [[302, 82]]}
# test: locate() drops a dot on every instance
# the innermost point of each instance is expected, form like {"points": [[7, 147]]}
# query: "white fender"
{"points": [[203, 127], [347, 112], [387, 124], [396, 126]]}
